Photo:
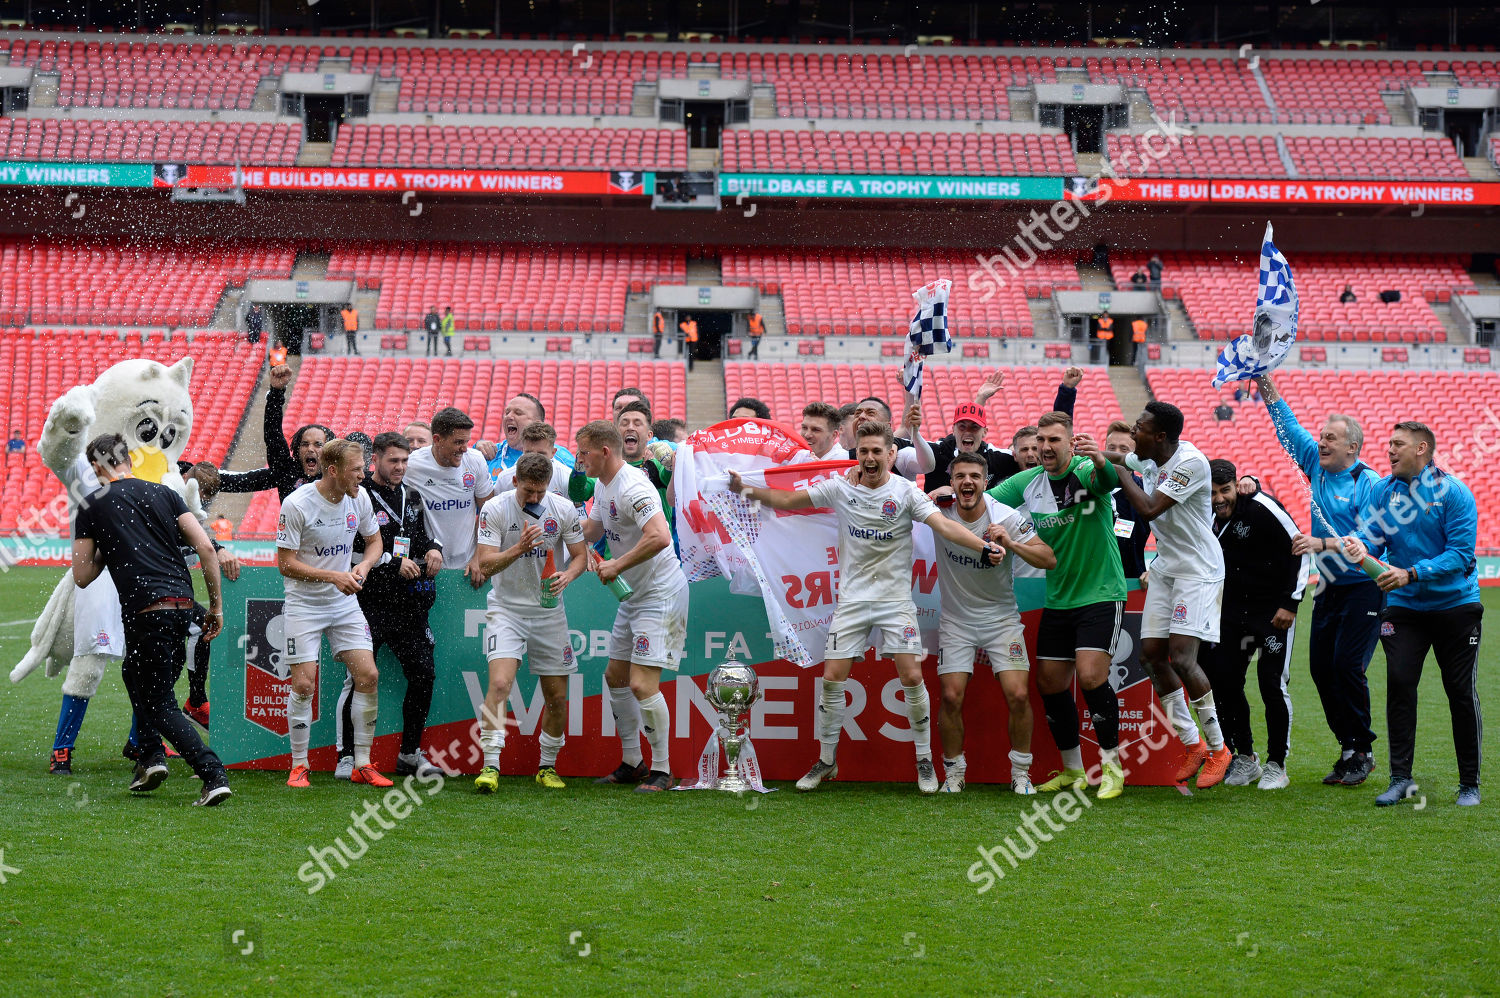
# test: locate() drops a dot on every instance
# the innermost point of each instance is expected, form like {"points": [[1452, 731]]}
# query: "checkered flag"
{"points": [[929, 327], [1262, 350]]}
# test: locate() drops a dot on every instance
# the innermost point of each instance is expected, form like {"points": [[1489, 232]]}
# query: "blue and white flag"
{"points": [[1263, 349], [929, 327]]}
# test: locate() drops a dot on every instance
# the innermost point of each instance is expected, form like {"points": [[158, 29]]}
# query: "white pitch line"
{"points": [[4, 624]]}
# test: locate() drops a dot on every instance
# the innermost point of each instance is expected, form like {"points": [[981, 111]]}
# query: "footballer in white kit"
{"points": [[979, 613], [650, 630], [1184, 598], [875, 517], [314, 548], [453, 480], [526, 534]]}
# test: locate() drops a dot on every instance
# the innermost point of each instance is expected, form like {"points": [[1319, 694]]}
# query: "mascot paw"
{"points": [[73, 413], [28, 665]]}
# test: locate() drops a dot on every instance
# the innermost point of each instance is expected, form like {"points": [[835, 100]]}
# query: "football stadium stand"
{"points": [[120, 283], [1379, 399], [953, 153], [37, 367], [1214, 290], [509, 147], [1028, 392], [553, 288], [93, 140], [373, 395], [1192, 89], [861, 293], [1227, 156], [1339, 157]]}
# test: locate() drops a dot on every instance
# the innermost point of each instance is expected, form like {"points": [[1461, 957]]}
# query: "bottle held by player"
{"points": [[549, 568]]}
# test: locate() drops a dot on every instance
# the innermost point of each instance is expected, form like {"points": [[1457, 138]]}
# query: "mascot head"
{"points": [[148, 404]]}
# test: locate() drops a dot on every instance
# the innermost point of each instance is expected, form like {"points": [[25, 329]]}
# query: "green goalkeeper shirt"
{"points": [[1073, 514]]}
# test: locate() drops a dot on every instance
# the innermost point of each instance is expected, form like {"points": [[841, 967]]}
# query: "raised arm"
{"points": [[1294, 439], [1067, 391], [775, 498]]}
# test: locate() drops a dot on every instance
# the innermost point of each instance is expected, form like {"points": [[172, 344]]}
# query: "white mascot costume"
{"points": [[147, 404]]}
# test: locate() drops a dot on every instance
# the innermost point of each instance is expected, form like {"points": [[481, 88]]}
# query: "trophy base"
{"points": [[733, 784]]}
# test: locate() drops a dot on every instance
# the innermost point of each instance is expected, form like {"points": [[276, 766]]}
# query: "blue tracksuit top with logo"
{"points": [[1429, 523], [1339, 494]]}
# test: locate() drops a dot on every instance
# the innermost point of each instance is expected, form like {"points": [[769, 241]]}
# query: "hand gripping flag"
{"points": [[1262, 350], [929, 327]]}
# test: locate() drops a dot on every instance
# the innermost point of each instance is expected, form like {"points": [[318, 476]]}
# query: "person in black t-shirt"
{"points": [[135, 529], [970, 424]]}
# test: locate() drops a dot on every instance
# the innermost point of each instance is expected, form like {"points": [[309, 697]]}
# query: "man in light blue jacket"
{"points": [[1422, 522], [1346, 608]]}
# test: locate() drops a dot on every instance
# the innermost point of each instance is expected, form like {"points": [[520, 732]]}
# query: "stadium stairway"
{"points": [[707, 400], [1131, 391], [1182, 326]]}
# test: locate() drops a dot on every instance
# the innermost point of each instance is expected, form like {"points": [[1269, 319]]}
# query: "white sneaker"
{"points": [[926, 776], [820, 771], [1243, 771], [1273, 777], [345, 769], [1021, 783], [953, 781]]}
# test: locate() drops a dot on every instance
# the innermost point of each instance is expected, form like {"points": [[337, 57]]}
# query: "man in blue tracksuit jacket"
{"points": [[1346, 609], [1422, 522]]}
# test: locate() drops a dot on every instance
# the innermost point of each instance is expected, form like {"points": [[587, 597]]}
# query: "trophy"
{"points": [[732, 689]]}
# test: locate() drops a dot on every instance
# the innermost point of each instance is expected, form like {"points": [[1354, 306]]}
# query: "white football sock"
{"points": [[1175, 705], [830, 719], [627, 711], [299, 725], [1348, 753], [1208, 718], [362, 707], [1020, 762], [1072, 757], [657, 720], [492, 737], [1109, 757], [550, 747], [956, 763], [919, 710]]}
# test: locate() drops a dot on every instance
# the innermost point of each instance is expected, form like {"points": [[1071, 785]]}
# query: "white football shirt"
{"points": [[505, 480], [623, 507], [1186, 547], [875, 549], [518, 588], [452, 497], [322, 534], [975, 592]]}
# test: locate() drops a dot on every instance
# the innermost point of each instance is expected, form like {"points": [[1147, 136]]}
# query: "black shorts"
{"points": [[1064, 633]]}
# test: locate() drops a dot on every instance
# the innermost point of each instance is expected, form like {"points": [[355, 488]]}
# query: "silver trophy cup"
{"points": [[733, 689]]}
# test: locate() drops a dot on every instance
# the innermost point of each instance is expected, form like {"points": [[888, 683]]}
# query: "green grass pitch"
{"points": [[854, 889]]}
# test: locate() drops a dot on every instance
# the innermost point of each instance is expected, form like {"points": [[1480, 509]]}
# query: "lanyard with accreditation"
{"points": [[400, 546]]}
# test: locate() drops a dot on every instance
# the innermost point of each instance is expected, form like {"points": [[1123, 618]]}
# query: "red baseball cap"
{"points": [[973, 413]]}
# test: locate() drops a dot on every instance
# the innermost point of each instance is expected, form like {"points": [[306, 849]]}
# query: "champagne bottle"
{"points": [[621, 588], [549, 567]]}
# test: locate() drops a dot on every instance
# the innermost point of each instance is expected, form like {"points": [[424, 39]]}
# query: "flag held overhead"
{"points": [[1262, 350], [929, 327]]}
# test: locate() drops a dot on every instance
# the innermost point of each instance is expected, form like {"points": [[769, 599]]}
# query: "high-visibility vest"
{"points": [[757, 324], [351, 319], [223, 530], [278, 356], [1106, 328], [690, 331], [658, 324], [1138, 331]]}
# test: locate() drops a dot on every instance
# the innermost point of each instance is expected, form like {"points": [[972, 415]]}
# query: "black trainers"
{"points": [[62, 762], [213, 795], [149, 774], [1336, 777], [655, 782], [1361, 765], [626, 773]]}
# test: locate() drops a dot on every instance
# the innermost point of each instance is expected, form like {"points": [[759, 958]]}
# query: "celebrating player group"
{"points": [[366, 526]]}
